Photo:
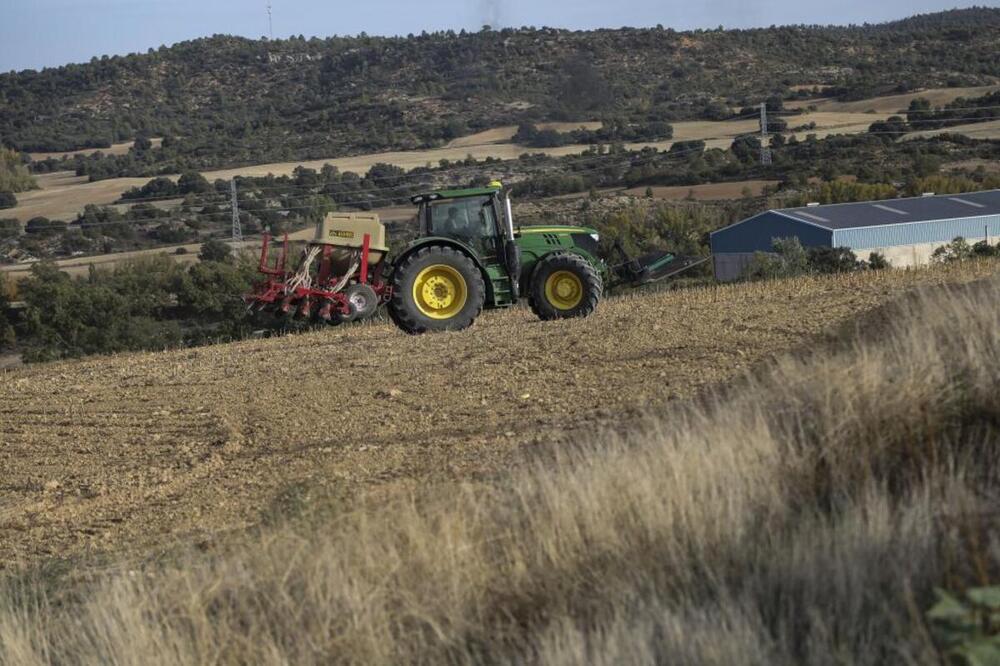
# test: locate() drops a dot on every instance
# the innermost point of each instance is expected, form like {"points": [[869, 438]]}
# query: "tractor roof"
{"points": [[454, 194]]}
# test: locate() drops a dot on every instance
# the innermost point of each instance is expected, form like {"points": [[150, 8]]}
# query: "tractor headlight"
{"points": [[596, 237]]}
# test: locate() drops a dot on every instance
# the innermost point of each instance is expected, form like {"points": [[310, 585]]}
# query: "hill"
{"points": [[519, 491], [223, 101]]}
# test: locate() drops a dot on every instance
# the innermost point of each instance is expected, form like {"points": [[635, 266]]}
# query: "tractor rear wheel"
{"points": [[564, 286], [437, 288]]}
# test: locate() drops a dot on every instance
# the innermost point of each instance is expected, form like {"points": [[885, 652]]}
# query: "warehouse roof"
{"points": [[896, 211]]}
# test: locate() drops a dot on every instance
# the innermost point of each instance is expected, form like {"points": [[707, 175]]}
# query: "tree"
{"points": [[14, 177], [43, 225], [215, 250], [7, 200], [788, 259], [192, 182], [832, 259], [746, 148], [142, 143], [10, 228]]}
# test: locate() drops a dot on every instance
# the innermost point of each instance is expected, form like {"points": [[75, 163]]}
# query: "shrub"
{"points": [[215, 250], [9, 228], [7, 200], [957, 250], [44, 226], [968, 628], [878, 262], [832, 259], [984, 249], [789, 258]]}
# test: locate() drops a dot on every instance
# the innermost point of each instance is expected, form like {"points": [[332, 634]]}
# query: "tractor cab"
{"points": [[472, 217]]}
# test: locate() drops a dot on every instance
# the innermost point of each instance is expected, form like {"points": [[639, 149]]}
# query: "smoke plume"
{"points": [[491, 13]]}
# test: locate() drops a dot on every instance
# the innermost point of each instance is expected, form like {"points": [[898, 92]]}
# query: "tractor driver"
{"points": [[452, 225]]}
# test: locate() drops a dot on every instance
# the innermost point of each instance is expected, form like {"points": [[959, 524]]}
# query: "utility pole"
{"points": [[765, 149], [270, 25], [237, 229]]}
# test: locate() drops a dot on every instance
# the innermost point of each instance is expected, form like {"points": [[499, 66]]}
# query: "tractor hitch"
{"points": [[651, 267]]}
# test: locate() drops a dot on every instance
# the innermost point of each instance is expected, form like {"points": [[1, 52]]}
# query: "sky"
{"points": [[44, 33]]}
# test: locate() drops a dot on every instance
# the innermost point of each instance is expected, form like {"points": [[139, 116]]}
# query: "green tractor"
{"points": [[468, 256]]}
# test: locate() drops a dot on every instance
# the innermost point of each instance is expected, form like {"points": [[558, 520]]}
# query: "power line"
{"points": [[665, 157]]}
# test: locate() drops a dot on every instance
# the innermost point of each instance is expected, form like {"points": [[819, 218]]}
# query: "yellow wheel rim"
{"points": [[564, 290], [440, 292]]}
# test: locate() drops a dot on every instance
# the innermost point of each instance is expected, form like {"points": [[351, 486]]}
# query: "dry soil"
{"points": [[139, 451]]}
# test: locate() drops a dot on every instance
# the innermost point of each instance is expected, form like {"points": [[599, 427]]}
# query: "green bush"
{"points": [[878, 262], [9, 228], [150, 304], [968, 627], [984, 249], [215, 250], [957, 250], [788, 259], [44, 226], [832, 259]]}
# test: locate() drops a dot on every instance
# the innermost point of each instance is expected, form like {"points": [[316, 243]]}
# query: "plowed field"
{"points": [[138, 451]]}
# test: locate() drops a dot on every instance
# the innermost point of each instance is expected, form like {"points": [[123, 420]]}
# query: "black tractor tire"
{"points": [[363, 298], [467, 300], [582, 297]]}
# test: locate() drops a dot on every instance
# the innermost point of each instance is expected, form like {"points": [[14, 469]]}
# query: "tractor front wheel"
{"points": [[437, 288], [564, 286]]}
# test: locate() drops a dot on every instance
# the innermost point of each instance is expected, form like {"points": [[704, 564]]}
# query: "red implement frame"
{"points": [[276, 293]]}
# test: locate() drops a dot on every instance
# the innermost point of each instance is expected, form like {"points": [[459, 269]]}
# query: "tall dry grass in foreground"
{"points": [[802, 517]]}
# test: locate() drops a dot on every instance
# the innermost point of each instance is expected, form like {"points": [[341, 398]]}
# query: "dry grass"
{"points": [[115, 149], [890, 104], [800, 516], [985, 130]]}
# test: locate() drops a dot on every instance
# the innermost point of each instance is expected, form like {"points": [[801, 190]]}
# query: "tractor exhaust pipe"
{"points": [[510, 217], [512, 253]]}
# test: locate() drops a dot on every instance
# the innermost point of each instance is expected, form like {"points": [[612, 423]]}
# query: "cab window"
{"points": [[470, 220]]}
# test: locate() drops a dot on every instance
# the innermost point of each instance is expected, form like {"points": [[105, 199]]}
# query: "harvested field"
{"points": [[707, 191], [506, 133], [63, 194], [115, 149], [985, 130], [890, 104], [139, 451]]}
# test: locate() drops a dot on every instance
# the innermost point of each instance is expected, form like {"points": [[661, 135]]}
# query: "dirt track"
{"points": [[138, 451]]}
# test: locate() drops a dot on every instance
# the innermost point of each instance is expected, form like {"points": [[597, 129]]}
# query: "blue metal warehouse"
{"points": [[906, 231]]}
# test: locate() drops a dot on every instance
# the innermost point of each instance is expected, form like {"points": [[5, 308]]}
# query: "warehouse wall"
{"points": [[754, 234], [938, 232], [902, 256], [729, 266]]}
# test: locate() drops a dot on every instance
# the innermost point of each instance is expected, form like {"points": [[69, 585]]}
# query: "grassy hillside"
{"points": [[225, 100], [802, 514]]}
